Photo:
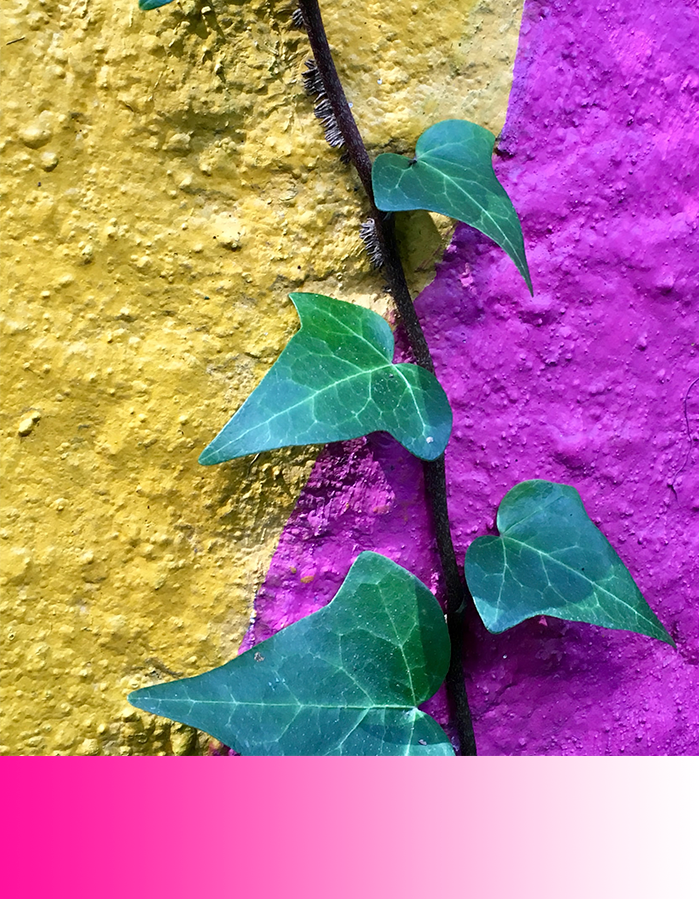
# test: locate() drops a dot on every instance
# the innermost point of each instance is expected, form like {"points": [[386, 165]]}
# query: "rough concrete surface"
{"points": [[593, 382], [164, 185]]}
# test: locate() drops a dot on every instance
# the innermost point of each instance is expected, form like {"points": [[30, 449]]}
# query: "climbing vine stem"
{"points": [[457, 593]]}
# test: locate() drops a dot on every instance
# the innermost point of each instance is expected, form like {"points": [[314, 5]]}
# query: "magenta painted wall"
{"points": [[588, 383]]}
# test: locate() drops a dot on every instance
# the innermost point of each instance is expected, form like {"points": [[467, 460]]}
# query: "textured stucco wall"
{"points": [[164, 185], [593, 382]]}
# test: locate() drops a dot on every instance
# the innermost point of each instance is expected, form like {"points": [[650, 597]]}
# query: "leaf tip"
{"points": [[665, 637], [133, 699], [207, 456], [523, 268], [303, 303]]}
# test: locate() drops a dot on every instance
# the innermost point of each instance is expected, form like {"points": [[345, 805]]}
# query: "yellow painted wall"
{"points": [[164, 185]]}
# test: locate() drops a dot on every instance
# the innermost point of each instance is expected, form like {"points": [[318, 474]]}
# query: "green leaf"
{"points": [[550, 559], [346, 680], [335, 381], [152, 4], [452, 173]]}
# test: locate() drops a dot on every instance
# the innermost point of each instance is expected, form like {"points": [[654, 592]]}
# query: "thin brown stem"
{"points": [[457, 593]]}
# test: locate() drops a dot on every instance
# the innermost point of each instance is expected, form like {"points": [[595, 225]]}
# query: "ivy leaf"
{"points": [[452, 173], [335, 381], [346, 680], [550, 559], [152, 4]]}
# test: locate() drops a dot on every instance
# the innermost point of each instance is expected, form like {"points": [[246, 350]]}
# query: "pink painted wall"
{"points": [[588, 383]]}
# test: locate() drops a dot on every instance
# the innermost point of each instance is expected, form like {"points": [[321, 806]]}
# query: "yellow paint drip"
{"points": [[164, 186]]}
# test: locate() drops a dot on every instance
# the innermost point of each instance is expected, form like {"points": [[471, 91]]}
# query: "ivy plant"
{"points": [[452, 173], [349, 678], [335, 381], [550, 559], [345, 680]]}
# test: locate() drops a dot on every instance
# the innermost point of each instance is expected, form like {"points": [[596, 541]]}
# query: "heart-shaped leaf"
{"points": [[346, 680], [335, 381], [550, 559], [452, 173]]}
